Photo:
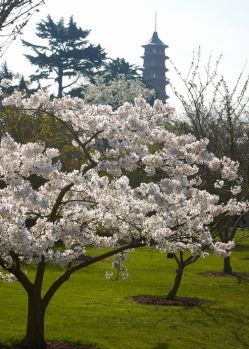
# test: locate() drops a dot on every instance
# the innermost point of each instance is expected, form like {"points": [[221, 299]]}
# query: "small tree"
{"points": [[66, 54], [184, 232], [174, 214], [211, 110]]}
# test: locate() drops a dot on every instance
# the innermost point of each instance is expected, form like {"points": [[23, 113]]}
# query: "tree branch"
{"points": [[58, 202], [91, 260], [16, 271]]}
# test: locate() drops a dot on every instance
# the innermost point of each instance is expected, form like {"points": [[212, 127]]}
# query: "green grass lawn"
{"points": [[90, 309]]}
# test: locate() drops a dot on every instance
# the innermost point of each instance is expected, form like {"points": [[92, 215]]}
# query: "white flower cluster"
{"points": [[119, 266], [7, 277], [87, 208], [170, 216]]}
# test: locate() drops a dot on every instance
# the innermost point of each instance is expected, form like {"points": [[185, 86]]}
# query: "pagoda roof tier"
{"points": [[155, 41]]}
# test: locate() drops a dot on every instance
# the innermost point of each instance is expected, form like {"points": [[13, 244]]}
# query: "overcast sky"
{"points": [[121, 27]]}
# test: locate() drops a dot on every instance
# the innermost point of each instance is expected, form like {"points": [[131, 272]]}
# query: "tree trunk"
{"points": [[59, 80], [227, 268], [179, 272], [34, 338]]}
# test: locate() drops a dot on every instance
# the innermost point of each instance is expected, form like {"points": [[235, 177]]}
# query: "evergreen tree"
{"points": [[22, 84], [5, 73], [66, 54], [115, 68], [116, 81]]}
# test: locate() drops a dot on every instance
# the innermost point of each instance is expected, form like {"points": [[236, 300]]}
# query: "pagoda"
{"points": [[154, 68]]}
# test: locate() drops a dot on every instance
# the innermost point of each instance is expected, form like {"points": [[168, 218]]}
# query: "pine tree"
{"points": [[5, 73], [115, 68], [66, 54], [21, 83]]}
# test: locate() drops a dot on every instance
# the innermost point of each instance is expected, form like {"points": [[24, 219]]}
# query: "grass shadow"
{"points": [[236, 333], [161, 346]]}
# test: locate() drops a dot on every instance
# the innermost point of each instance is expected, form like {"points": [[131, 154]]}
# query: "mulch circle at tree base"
{"points": [[164, 301], [54, 345]]}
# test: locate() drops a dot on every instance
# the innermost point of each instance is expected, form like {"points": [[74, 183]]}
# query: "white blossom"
{"points": [[95, 204]]}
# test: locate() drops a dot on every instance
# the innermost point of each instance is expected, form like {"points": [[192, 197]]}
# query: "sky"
{"points": [[121, 27]]}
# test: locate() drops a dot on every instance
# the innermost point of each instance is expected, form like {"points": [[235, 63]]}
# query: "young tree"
{"points": [[88, 206], [66, 54], [211, 110], [174, 214], [14, 15]]}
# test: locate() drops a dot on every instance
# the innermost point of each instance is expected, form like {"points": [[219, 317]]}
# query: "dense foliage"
{"points": [[65, 54]]}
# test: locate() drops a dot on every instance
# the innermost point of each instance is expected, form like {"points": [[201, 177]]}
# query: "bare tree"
{"points": [[14, 15], [214, 111]]}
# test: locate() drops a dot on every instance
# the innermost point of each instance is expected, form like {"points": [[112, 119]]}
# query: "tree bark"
{"points": [[227, 268], [34, 338], [179, 272], [59, 80]]}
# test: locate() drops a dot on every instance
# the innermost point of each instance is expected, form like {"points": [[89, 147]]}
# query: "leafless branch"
{"points": [[14, 15]]}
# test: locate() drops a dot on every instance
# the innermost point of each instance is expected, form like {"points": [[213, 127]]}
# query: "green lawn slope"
{"points": [[92, 310]]}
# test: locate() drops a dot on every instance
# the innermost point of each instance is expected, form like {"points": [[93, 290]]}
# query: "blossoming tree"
{"points": [[174, 214], [41, 205]]}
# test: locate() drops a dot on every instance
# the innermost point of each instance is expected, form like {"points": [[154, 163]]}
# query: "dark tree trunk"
{"points": [[179, 272], [34, 338], [59, 79], [227, 268]]}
